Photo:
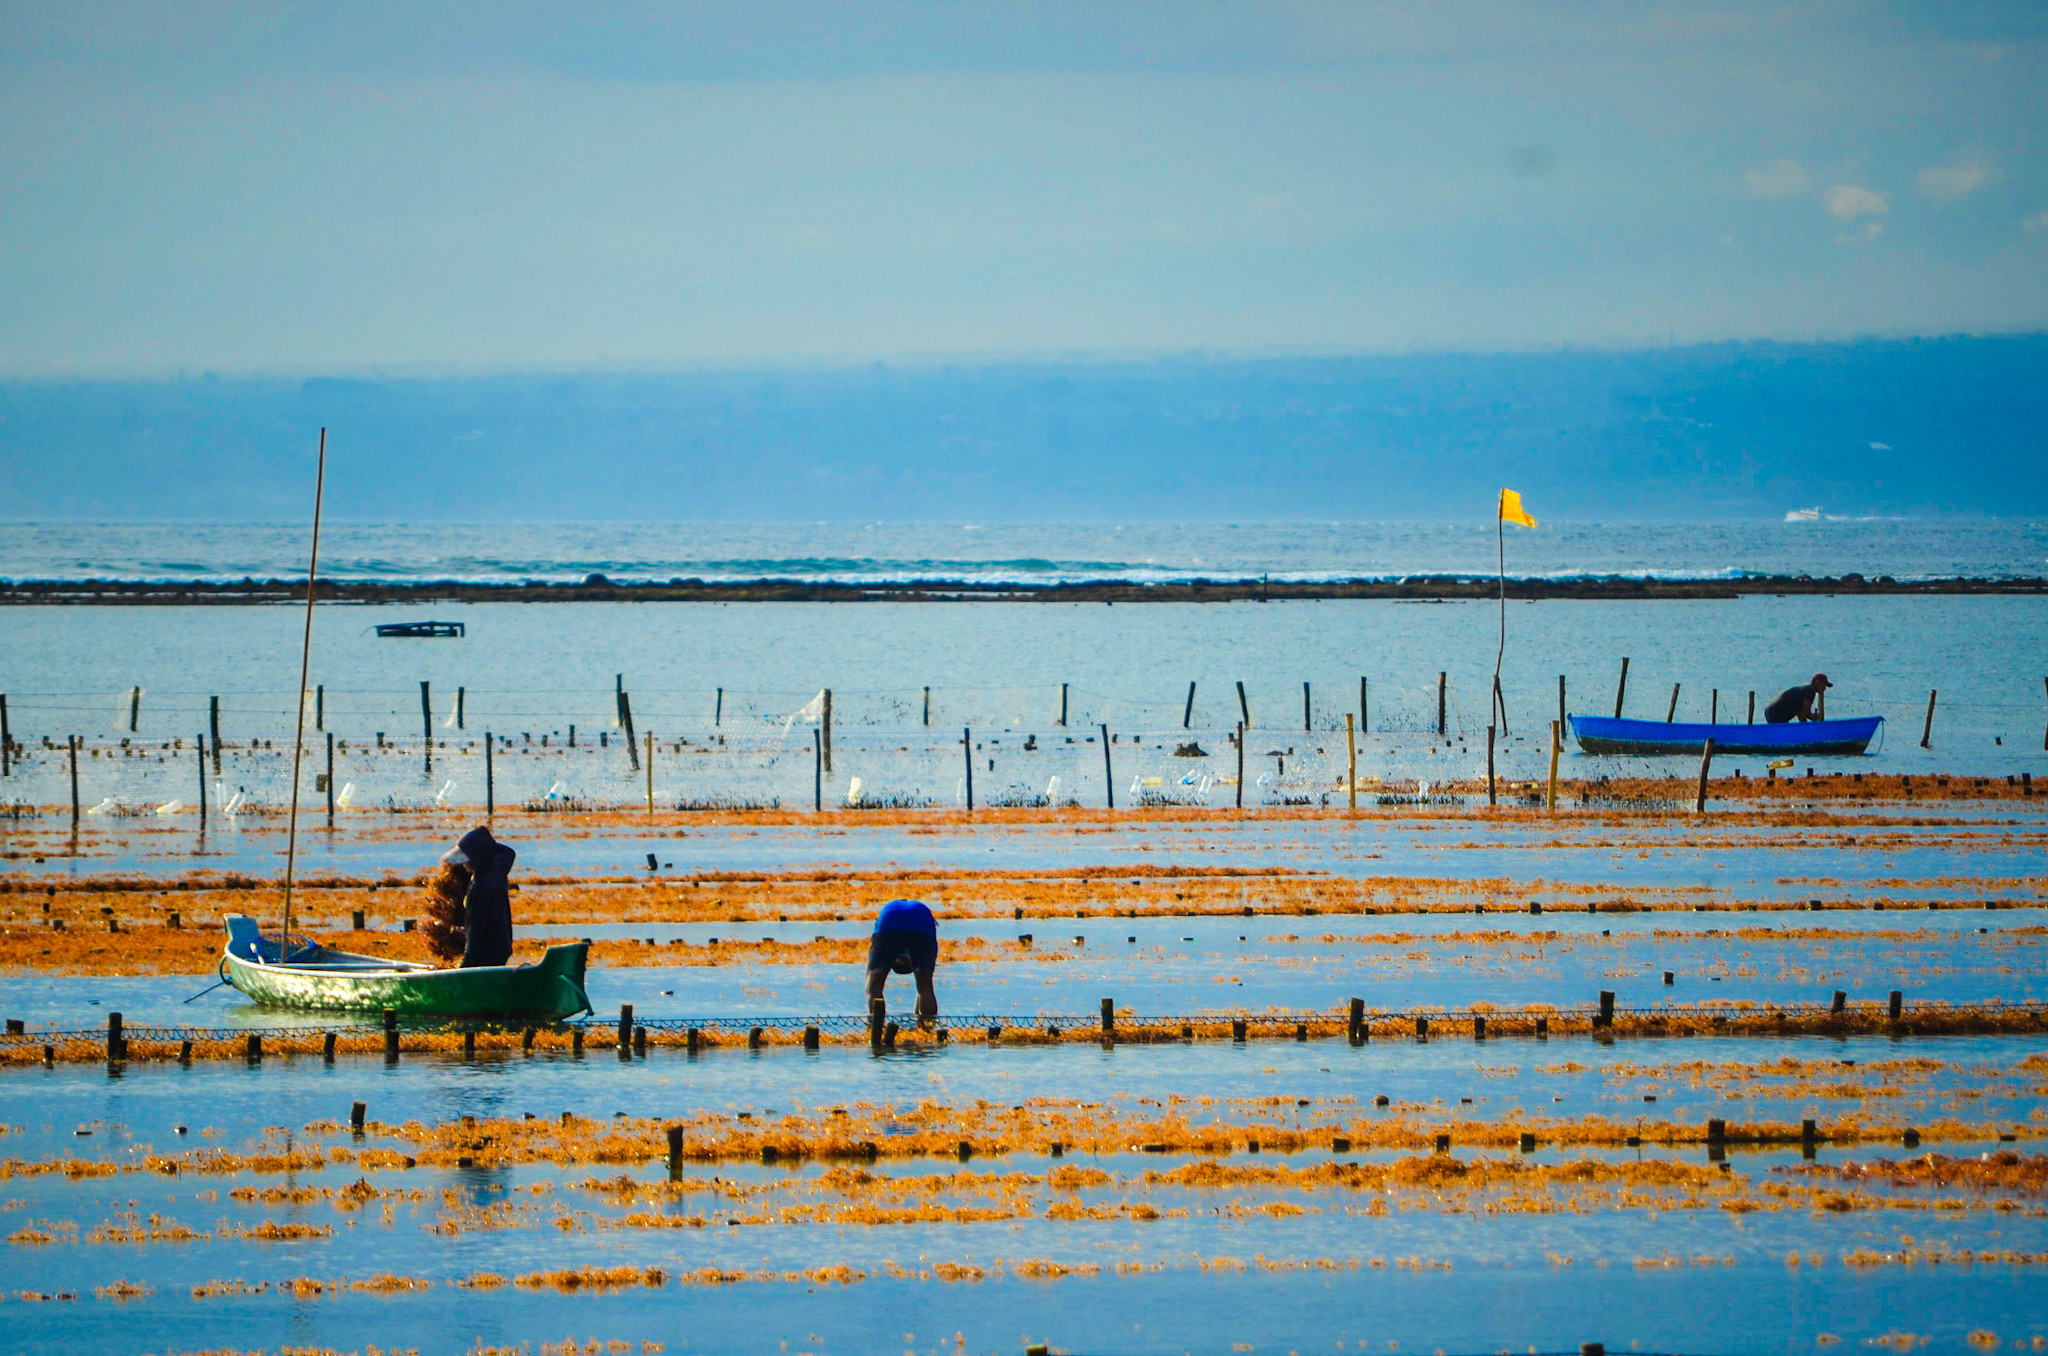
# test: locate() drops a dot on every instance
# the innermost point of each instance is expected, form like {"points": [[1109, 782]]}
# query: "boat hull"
{"points": [[1813, 738], [340, 981]]}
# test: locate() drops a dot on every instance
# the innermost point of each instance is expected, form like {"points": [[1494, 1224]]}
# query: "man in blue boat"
{"points": [[906, 941], [487, 905], [1798, 703]]}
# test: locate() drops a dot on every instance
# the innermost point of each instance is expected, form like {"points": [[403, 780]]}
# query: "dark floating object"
{"points": [[431, 630]]}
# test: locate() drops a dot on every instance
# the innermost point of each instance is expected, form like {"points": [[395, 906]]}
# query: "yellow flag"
{"points": [[1511, 510]]}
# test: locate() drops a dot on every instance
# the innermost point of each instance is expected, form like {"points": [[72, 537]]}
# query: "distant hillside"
{"points": [[1946, 426]]}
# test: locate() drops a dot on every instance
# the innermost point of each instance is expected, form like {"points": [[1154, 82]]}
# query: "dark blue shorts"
{"points": [[885, 947]]}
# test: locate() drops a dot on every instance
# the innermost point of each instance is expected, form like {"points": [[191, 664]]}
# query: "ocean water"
{"points": [[741, 684], [862, 552]]}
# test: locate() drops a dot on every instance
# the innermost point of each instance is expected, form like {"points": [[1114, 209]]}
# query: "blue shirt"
{"points": [[906, 915]]}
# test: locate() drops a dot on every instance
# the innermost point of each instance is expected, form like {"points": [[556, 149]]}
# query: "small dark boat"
{"points": [[1606, 734], [431, 630]]}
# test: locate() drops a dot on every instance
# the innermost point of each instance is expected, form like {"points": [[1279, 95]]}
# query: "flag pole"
{"points": [[291, 841], [1500, 534]]}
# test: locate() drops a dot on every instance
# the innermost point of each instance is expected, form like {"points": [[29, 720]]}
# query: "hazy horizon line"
{"points": [[914, 360]]}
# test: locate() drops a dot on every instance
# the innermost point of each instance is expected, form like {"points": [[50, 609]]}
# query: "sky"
{"points": [[379, 188]]}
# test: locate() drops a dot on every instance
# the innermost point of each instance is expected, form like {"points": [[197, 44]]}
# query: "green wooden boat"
{"points": [[313, 976]]}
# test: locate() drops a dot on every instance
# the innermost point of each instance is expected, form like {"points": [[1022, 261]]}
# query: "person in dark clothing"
{"points": [[1798, 703], [487, 908], [906, 941]]}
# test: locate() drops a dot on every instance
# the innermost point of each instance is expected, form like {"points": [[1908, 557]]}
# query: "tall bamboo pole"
{"points": [[291, 841]]}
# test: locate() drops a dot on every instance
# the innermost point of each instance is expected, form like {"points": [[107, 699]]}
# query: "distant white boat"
{"points": [[1805, 515]]}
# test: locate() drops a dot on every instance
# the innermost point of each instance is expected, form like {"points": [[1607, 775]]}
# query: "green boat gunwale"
{"points": [[319, 977]]}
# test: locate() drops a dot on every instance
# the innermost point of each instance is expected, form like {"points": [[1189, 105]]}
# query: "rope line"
{"points": [[1327, 1019]]}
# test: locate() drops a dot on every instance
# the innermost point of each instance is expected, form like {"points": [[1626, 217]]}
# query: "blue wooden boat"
{"points": [[1606, 734]]}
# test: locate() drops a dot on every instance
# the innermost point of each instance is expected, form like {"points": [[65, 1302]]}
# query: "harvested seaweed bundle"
{"points": [[443, 926]]}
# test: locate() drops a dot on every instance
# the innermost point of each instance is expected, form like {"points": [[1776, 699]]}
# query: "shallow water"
{"points": [[1978, 854], [1164, 974], [1483, 1279], [747, 671], [140, 1102]]}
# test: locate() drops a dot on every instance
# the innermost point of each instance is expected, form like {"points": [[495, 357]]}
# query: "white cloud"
{"points": [[1960, 177], [2036, 222], [1780, 179], [1850, 202]]}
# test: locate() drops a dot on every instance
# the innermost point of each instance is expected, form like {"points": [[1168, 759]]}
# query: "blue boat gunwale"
{"points": [[1624, 735]]}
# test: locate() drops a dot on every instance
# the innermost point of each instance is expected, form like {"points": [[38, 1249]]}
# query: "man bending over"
{"points": [[906, 940]]}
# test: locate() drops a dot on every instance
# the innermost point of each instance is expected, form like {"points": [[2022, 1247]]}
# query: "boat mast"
{"points": [[291, 840]]}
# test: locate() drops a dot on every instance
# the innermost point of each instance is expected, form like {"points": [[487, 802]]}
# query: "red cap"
{"points": [[1820, 680]]}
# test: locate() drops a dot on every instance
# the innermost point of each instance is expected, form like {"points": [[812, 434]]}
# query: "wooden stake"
{"points": [[717, 712], [200, 748], [1491, 797], [1063, 706], [134, 709], [461, 695], [1714, 707], [6, 741], [1671, 712], [427, 720], [1560, 699], [1109, 772], [967, 750], [1244, 710], [626, 719], [71, 743], [825, 724], [320, 706], [1442, 683], [1240, 765], [1556, 741], [1109, 1016], [490, 780], [1699, 804], [1351, 761], [213, 728], [1187, 716], [330, 781], [1307, 723], [928, 705], [1927, 733], [1621, 688], [817, 773], [1364, 710]]}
